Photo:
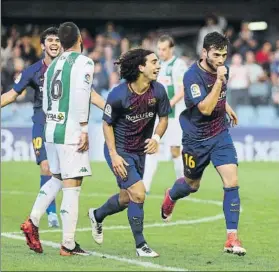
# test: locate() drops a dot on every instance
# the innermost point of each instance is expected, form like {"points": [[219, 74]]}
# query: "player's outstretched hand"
{"points": [[233, 117], [83, 142], [221, 73], [151, 147], [118, 164]]}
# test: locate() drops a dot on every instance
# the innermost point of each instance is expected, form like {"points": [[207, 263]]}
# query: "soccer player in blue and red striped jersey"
{"points": [[206, 137], [33, 77], [128, 124]]}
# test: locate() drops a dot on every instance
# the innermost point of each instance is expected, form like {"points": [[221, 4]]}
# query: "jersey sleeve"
{"points": [[194, 90], [163, 106], [83, 90], [22, 81], [112, 108]]}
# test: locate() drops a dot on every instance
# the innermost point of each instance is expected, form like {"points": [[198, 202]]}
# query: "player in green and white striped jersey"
{"points": [[66, 100], [171, 76]]}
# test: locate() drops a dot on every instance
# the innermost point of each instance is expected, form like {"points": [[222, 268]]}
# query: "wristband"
{"points": [[84, 129], [157, 138]]}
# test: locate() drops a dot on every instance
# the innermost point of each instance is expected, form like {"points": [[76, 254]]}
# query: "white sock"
{"points": [[46, 195], [231, 231], [178, 167], [69, 215], [151, 163]]}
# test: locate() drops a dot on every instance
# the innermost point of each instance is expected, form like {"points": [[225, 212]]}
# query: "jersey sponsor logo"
{"points": [[57, 117], [18, 78], [195, 90], [108, 110], [139, 117], [222, 95]]}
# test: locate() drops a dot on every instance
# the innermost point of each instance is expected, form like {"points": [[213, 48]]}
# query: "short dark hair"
{"points": [[129, 63], [68, 34], [49, 31], [168, 38], [215, 40]]}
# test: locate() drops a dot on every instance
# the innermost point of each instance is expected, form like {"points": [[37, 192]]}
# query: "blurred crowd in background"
{"points": [[253, 87]]}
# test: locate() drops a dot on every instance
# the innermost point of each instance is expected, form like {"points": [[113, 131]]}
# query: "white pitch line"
{"points": [[192, 199], [112, 257], [124, 227]]}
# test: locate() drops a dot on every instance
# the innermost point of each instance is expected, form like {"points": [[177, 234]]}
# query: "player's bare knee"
{"points": [[138, 197], [45, 168], [124, 198], [175, 152], [231, 182]]}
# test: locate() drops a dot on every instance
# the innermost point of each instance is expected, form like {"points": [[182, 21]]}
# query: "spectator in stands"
{"points": [[87, 40], [274, 68], [211, 24], [245, 41], [108, 64], [112, 36], [259, 81], [263, 55], [28, 51], [124, 45], [238, 82], [113, 80], [100, 79]]}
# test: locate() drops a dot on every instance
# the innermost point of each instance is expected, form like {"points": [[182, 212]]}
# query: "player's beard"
{"points": [[209, 62]]}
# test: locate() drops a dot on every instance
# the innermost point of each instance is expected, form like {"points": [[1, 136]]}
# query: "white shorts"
{"points": [[67, 161], [173, 134]]}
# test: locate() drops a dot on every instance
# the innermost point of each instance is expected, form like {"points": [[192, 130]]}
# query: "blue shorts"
{"points": [[135, 169], [197, 155], [38, 142]]}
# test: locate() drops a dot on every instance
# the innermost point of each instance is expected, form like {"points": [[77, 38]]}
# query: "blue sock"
{"points": [[231, 207], [180, 189], [135, 216], [52, 206], [112, 206]]}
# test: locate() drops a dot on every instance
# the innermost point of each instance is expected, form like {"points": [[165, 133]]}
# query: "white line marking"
{"points": [[112, 257], [124, 227], [161, 197]]}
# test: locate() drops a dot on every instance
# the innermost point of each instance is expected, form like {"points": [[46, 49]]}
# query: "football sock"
{"points": [[46, 195], [180, 189], [112, 206], [52, 206], [69, 215], [178, 167], [136, 216], [151, 164], [231, 207]]}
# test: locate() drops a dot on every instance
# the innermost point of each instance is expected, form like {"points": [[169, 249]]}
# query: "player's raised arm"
{"points": [[97, 100], [207, 105], [8, 97], [20, 84]]}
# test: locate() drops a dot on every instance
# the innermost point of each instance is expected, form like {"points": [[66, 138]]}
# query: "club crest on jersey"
{"points": [[55, 117], [108, 110], [152, 101], [195, 90]]}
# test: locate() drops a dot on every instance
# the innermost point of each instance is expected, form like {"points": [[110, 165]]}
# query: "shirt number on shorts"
{"points": [[37, 142], [189, 161]]}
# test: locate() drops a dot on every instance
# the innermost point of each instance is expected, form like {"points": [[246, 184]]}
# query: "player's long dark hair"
{"points": [[215, 40], [129, 63]]}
